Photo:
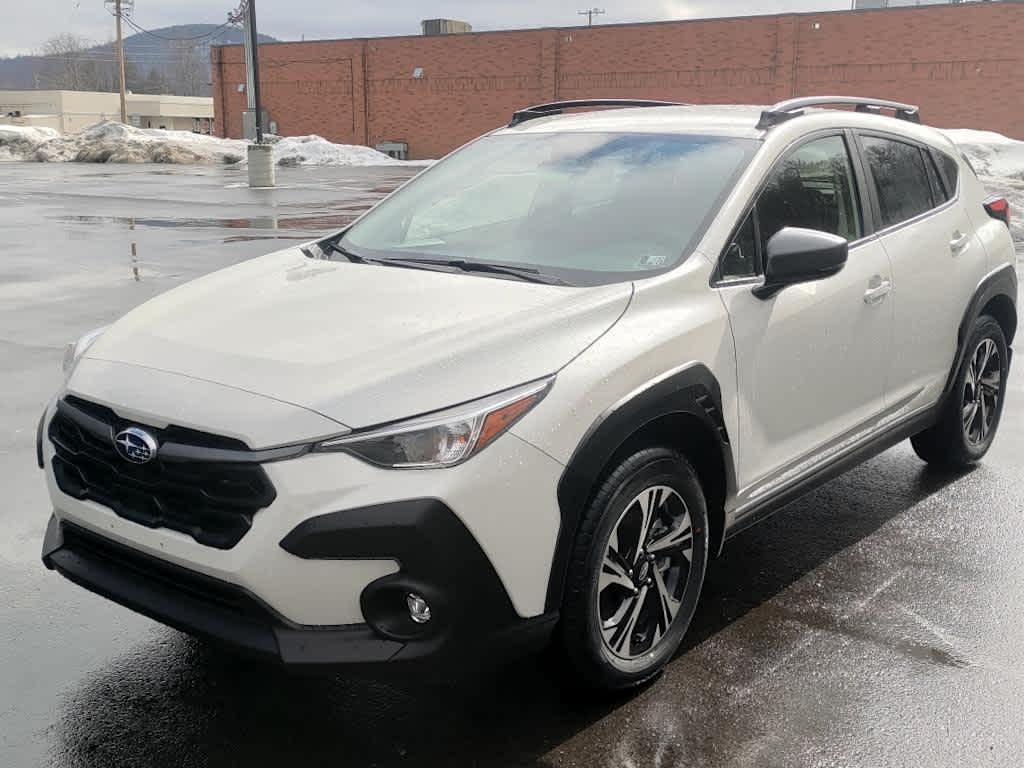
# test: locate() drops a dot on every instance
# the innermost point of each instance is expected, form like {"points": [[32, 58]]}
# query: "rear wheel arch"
{"points": [[996, 295], [1002, 309], [681, 411]]}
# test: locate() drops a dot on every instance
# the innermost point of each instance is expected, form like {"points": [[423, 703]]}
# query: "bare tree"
{"points": [[189, 76], [155, 83], [107, 76], [68, 65]]}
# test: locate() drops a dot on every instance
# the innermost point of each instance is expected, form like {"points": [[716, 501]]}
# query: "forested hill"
{"points": [[167, 60]]}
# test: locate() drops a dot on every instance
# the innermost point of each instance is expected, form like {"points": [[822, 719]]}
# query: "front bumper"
{"points": [[472, 617], [323, 572]]}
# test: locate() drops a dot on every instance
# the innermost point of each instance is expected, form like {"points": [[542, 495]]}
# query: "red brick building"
{"points": [[963, 64]]}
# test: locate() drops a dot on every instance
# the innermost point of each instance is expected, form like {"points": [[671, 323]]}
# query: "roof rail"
{"points": [[786, 110], [556, 107]]}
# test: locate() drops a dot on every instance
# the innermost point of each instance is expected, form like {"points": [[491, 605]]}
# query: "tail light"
{"points": [[998, 208]]}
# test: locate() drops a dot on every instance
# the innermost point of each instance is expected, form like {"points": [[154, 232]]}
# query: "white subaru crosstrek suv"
{"points": [[527, 396]]}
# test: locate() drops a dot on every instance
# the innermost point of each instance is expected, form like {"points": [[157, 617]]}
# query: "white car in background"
{"points": [[530, 394]]}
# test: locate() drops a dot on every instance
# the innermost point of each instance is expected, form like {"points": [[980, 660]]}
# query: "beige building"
{"points": [[70, 111]]}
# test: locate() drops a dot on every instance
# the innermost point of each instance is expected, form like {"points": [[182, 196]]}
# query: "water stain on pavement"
{"points": [[858, 628]]}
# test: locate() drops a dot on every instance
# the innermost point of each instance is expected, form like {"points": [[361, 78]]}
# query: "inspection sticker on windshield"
{"points": [[653, 260]]}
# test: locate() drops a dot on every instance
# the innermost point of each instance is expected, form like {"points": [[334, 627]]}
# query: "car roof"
{"points": [[733, 120], [725, 120]]}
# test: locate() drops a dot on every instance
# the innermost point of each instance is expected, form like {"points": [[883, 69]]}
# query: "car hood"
{"points": [[359, 343]]}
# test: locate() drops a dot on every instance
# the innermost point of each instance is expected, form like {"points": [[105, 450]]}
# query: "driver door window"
{"points": [[812, 187]]}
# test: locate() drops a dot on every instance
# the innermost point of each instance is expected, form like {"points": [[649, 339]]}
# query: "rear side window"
{"points": [[900, 177], [812, 187]]}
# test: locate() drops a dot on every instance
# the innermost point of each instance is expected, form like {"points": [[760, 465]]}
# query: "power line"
{"points": [[133, 59], [216, 32], [590, 13], [206, 35]]}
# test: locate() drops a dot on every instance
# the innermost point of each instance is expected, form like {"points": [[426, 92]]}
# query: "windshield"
{"points": [[587, 208]]}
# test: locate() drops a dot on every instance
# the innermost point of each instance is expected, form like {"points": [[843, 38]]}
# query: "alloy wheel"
{"points": [[644, 572], [981, 392]]}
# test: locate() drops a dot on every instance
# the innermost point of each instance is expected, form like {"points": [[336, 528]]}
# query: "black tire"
{"points": [[617, 508], [951, 443]]}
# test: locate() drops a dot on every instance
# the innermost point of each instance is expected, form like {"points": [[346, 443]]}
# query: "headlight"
{"points": [[444, 438], [75, 350]]}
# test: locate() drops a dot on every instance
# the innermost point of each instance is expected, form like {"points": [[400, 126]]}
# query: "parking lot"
{"points": [[875, 622]]}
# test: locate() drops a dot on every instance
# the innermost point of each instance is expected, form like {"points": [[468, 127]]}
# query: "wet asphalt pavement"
{"points": [[876, 622]]}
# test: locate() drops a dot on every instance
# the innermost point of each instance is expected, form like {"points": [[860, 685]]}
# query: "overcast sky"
{"points": [[25, 25]]}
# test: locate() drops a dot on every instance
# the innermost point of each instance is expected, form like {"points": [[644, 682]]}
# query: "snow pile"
{"points": [[991, 154], [112, 142], [999, 161], [18, 142], [315, 150]]}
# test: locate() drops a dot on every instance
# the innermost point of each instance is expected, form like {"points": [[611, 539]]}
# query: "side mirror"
{"points": [[796, 255]]}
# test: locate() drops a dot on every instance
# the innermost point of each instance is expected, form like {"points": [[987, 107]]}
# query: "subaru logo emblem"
{"points": [[135, 445]]}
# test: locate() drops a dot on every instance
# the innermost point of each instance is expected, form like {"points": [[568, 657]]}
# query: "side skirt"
{"points": [[832, 469]]}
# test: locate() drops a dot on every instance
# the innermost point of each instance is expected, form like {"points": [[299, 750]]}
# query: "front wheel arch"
{"points": [[681, 411], [697, 443]]}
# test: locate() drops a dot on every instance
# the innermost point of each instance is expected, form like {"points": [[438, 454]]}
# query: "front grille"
{"points": [[213, 501]]}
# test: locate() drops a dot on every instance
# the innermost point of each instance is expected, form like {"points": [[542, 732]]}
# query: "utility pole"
{"points": [[590, 13], [260, 155], [253, 60], [121, 8], [250, 89], [120, 61]]}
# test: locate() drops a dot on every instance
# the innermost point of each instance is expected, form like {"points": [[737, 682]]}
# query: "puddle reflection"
{"points": [[326, 221]]}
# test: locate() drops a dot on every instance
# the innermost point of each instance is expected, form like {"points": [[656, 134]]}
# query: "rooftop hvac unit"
{"points": [[445, 27]]}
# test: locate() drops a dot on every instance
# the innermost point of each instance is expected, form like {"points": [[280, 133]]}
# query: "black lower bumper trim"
{"points": [[200, 605], [207, 607]]}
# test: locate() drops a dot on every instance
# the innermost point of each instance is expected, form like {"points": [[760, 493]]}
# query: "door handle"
{"points": [[878, 289], [959, 242]]}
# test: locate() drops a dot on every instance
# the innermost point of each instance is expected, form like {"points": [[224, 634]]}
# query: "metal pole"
{"points": [[120, 60], [247, 48], [253, 44]]}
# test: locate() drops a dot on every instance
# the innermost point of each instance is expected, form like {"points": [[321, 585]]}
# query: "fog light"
{"points": [[419, 609]]}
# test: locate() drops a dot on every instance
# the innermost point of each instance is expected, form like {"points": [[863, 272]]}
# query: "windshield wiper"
{"points": [[333, 245], [529, 274]]}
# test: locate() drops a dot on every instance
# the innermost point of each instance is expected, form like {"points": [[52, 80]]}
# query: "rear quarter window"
{"points": [[940, 190], [969, 164], [950, 170]]}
